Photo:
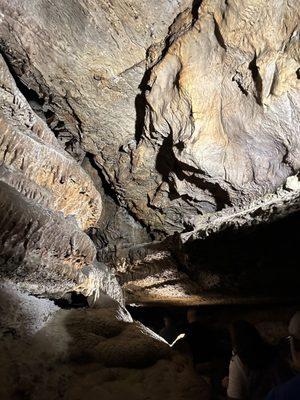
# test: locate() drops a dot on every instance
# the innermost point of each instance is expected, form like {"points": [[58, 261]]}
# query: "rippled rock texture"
{"points": [[223, 109], [183, 117], [46, 201], [188, 110]]}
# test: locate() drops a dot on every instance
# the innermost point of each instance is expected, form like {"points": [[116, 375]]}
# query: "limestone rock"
{"points": [[36, 165], [222, 117], [187, 107], [40, 249], [97, 61], [239, 255], [93, 353], [46, 200], [116, 230]]}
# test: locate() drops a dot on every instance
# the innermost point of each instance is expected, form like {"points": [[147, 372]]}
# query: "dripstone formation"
{"points": [[183, 116]]}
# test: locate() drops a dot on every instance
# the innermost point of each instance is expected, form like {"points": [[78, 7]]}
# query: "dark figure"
{"points": [[255, 366], [169, 331], [291, 389], [200, 338]]}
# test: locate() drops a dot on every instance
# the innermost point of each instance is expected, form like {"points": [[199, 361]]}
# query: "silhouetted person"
{"points": [[169, 331], [200, 338], [255, 366], [291, 389]]}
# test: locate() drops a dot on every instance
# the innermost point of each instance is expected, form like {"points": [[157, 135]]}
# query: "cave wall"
{"points": [[183, 117], [47, 200], [187, 107]]}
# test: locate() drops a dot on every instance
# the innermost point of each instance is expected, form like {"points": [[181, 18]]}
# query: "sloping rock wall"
{"points": [[36, 164], [47, 353], [46, 200]]}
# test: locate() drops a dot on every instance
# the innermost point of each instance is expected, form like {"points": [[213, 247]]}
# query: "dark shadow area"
{"points": [[167, 163], [257, 261], [140, 106], [195, 9], [220, 195], [205, 335], [237, 78], [220, 315], [107, 188], [256, 79], [219, 36], [72, 300], [41, 105], [29, 94]]}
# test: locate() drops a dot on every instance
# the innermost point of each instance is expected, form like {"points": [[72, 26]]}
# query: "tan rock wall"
{"points": [[46, 201], [30, 149]]}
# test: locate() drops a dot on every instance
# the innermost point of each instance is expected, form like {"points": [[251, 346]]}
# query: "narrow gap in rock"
{"points": [[195, 9], [43, 110], [31, 95], [108, 189], [140, 106], [256, 79], [219, 36], [237, 78]]}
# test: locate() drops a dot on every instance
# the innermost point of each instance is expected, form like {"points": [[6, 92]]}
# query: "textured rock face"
{"points": [[74, 354], [86, 59], [40, 249], [233, 256], [223, 109], [35, 164], [46, 200], [221, 87], [189, 110]]}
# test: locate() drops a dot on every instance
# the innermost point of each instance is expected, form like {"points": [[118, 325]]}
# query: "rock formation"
{"points": [[47, 353], [46, 201], [149, 154], [216, 96], [184, 114]]}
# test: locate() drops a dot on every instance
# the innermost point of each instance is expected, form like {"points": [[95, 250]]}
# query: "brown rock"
{"points": [[34, 159]]}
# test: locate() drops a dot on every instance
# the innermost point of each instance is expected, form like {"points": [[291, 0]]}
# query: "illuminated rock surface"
{"points": [[75, 354], [149, 154], [183, 115], [47, 199]]}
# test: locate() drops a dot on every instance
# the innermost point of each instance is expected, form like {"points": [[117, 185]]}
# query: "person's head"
{"points": [[249, 345], [167, 320], [294, 331], [192, 315]]}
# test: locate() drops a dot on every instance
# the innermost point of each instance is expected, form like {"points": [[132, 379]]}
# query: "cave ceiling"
{"points": [[137, 138]]}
